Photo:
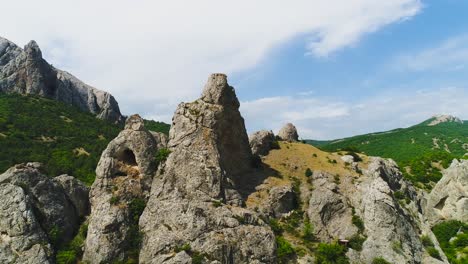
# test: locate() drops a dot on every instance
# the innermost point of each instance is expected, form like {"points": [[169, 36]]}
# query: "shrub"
{"points": [[433, 252], [308, 172], [114, 200], [275, 226], [397, 247], [426, 241], [331, 253], [380, 260], [54, 235], [399, 195], [185, 247], [284, 250], [216, 203], [308, 231], [162, 155], [357, 221], [275, 145], [314, 155], [356, 241], [66, 257]]}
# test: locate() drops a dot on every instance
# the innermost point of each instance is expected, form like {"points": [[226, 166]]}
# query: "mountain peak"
{"points": [[437, 119]]}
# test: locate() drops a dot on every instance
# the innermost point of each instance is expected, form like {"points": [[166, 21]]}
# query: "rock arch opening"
{"points": [[127, 157]]}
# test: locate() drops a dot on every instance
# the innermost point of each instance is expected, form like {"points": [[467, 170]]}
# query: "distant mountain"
{"points": [[62, 137], [421, 150], [24, 71]]}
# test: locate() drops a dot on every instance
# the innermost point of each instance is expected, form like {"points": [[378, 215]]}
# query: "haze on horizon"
{"points": [[333, 68]]}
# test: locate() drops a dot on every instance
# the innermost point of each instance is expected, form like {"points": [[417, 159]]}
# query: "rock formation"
{"points": [[261, 142], [119, 193], [26, 72], [37, 212], [288, 133], [193, 207], [437, 119], [160, 138], [449, 198]]}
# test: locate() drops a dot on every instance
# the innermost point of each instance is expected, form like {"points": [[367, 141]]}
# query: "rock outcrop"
{"points": [[36, 213], [161, 139], [261, 142], [193, 209], [26, 72], [448, 200], [437, 119], [119, 193], [288, 133]]}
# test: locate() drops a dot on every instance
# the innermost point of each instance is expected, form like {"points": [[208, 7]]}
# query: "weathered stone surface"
{"points": [[280, 200], [160, 138], [329, 210], [261, 142], [210, 155], [288, 133], [77, 192], [54, 209], [448, 200], [123, 177], [26, 72], [36, 212], [391, 232], [22, 239]]}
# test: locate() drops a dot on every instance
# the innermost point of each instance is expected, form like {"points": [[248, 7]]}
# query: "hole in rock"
{"points": [[440, 205], [127, 157]]}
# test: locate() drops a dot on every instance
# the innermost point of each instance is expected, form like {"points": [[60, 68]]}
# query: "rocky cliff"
{"points": [[24, 71], [194, 208]]}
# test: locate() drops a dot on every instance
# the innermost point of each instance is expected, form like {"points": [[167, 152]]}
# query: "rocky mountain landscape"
{"points": [[206, 192]]}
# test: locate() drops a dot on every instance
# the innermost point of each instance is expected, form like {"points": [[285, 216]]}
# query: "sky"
{"points": [[334, 68]]}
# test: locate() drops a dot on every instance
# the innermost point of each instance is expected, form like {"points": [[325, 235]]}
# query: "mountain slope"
{"points": [[63, 138], [24, 71], [421, 149]]}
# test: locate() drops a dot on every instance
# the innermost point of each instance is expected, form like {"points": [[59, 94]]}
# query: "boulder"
{"points": [[24, 71], [194, 197], [288, 133], [37, 213], [161, 139], [448, 200], [123, 178], [261, 142]]}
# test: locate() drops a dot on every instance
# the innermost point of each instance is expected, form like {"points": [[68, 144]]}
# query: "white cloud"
{"points": [[451, 55], [325, 118], [152, 54]]}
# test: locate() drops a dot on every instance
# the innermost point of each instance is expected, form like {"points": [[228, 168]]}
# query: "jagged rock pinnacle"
{"points": [[218, 91]]}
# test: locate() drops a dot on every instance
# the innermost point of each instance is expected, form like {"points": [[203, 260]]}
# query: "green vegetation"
{"points": [[62, 137], [308, 172], [162, 155], [157, 126], [308, 231], [420, 150], [284, 250], [331, 254], [135, 209], [54, 235], [197, 257], [453, 240], [380, 260], [357, 221], [70, 252], [356, 241]]}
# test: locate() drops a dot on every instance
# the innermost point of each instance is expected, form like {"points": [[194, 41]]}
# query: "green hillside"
{"points": [[63, 138], [421, 150]]}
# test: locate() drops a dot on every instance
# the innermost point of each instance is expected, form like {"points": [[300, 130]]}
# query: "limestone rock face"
{"points": [[160, 138], [449, 198], [26, 72], [288, 133], [190, 194], [261, 142], [123, 179], [329, 210], [35, 207], [21, 233], [391, 231], [77, 192]]}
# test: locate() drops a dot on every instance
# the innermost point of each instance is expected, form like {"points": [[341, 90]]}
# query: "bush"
{"points": [[433, 252], [114, 200], [380, 260], [357, 221], [284, 250], [66, 257], [356, 241], [162, 155], [308, 172], [275, 145], [275, 226], [308, 231], [356, 157], [330, 254], [426, 241]]}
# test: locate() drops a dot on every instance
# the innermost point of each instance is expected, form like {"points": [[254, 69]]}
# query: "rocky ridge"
{"points": [[24, 71]]}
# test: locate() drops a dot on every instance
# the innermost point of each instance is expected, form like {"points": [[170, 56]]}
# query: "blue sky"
{"points": [[334, 68]]}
